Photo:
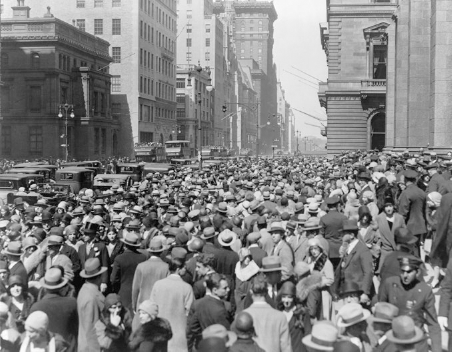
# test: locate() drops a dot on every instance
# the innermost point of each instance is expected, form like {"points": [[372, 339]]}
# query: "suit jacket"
{"points": [[258, 254], [271, 327], [435, 183], [248, 222], [284, 251], [203, 313], [386, 234], [63, 317], [445, 187], [19, 269], [100, 251], [90, 303], [331, 224], [123, 272], [412, 207], [72, 254], [266, 241], [299, 247], [357, 267], [146, 275]]}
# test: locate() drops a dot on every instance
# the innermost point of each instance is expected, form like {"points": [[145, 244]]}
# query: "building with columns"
{"points": [[45, 64]]}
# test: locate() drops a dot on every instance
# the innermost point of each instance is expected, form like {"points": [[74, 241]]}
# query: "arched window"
{"points": [[35, 60]]}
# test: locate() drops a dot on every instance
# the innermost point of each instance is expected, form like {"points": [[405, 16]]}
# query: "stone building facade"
{"points": [[47, 63]]}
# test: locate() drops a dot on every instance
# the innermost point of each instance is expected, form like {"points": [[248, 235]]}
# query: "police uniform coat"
{"points": [[412, 207]]}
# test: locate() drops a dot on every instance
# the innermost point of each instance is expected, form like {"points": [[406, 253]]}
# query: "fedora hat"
{"points": [[227, 238], [222, 208], [92, 268], [208, 232], [218, 330], [134, 224], [350, 287], [156, 245], [14, 248], [404, 332], [131, 239], [385, 312], [312, 224], [53, 279], [271, 263], [55, 240], [322, 337], [313, 208], [90, 228], [350, 225], [351, 314], [276, 227]]}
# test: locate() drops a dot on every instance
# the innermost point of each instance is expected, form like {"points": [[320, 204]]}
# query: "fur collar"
{"points": [[308, 284], [157, 330]]}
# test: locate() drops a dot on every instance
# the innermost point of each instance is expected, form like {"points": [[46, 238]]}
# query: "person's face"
{"points": [[366, 200], [33, 335], [3, 212], [223, 290], [4, 275], [115, 308], [30, 250], [16, 290], [287, 301], [365, 220], [315, 251], [276, 237], [72, 237], [144, 317], [54, 249], [201, 269], [408, 275], [46, 225], [88, 237], [389, 209], [352, 297], [111, 235], [117, 225]]}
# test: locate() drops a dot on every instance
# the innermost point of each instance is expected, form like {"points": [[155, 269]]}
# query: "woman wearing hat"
{"points": [[18, 300], [114, 325], [114, 246], [5, 214], [154, 333]]}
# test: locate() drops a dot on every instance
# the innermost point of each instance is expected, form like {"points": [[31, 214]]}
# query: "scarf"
{"points": [[246, 273], [320, 261]]}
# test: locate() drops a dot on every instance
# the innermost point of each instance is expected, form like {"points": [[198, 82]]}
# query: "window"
{"points": [[102, 103], [98, 26], [152, 87], [6, 98], [189, 14], [35, 98], [103, 141], [141, 29], [188, 56], [96, 141], [180, 83], [81, 24], [35, 140], [35, 60], [116, 3], [146, 137], [152, 61], [98, 3], [6, 140], [5, 60], [116, 26], [380, 61], [64, 94], [116, 83], [80, 3], [96, 102], [207, 41], [116, 54], [208, 28], [189, 29], [188, 42], [207, 56], [116, 110]]}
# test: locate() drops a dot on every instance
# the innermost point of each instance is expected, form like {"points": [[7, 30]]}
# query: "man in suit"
{"points": [[271, 326], [331, 225], [250, 220], [388, 222], [282, 250], [61, 310], [436, 180], [124, 268], [90, 303], [256, 251], [412, 206], [208, 310], [92, 248], [356, 265], [445, 312], [15, 265]]}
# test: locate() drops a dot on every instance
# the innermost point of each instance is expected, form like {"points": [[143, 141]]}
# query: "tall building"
{"points": [[355, 40], [47, 63], [252, 26], [142, 35]]}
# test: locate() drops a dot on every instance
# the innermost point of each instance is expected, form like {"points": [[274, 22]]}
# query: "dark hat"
{"points": [[411, 174], [332, 200], [179, 253], [364, 175], [271, 263], [350, 287], [345, 346], [385, 312], [261, 220], [56, 231], [431, 166], [409, 261], [350, 225], [90, 228], [92, 268], [404, 236], [288, 288], [291, 225], [404, 331], [210, 344]]}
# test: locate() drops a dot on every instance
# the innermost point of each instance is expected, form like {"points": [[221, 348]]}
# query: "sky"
{"points": [[298, 47]]}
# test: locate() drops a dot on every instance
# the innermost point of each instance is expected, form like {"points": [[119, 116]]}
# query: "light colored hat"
{"points": [[38, 321], [313, 208], [149, 307], [404, 332], [369, 195], [435, 197], [322, 337], [351, 314], [227, 238]]}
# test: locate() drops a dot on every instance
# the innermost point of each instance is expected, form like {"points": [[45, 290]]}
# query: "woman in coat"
{"points": [[114, 325], [154, 332]]}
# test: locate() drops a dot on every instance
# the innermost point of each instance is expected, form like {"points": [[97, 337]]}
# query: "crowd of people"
{"points": [[256, 254]]}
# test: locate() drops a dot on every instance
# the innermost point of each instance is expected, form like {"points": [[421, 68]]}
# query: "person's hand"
{"points": [[443, 322], [364, 299], [115, 318], [103, 287]]}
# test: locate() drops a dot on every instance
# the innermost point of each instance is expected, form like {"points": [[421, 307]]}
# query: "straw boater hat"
{"points": [[276, 227], [322, 337], [227, 238], [92, 268], [351, 314]]}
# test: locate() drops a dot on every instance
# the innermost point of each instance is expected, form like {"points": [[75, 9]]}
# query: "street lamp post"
{"points": [[66, 107]]}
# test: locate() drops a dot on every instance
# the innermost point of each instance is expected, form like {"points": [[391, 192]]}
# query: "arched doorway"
{"points": [[378, 131]]}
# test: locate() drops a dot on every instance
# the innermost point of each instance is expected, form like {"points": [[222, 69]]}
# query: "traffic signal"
{"points": [[224, 108]]}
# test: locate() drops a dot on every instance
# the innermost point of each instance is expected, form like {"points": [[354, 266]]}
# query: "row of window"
{"points": [[35, 60], [99, 26], [163, 18], [35, 140], [190, 28], [162, 90], [161, 65], [148, 113], [147, 33], [98, 3]]}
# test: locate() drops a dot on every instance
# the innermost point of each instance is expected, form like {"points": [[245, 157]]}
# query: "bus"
{"points": [[149, 152], [177, 149]]}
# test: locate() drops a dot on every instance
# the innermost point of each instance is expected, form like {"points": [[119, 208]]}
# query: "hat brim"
{"points": [[307, 341], [130, 244], [101, 271], [277, 229], [156, 250], [418, 336], [380, 320], [220, 241], [312, 228], [49, 287], [263, 270], [341, 324], [207, 237], [13, 254]]}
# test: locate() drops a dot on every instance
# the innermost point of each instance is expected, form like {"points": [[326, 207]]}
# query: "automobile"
{"points": [[94, 165], [162, 168], [38, 165], [75, 177], [10, 183], [106, 181], [45, 172], [134, 170]]}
